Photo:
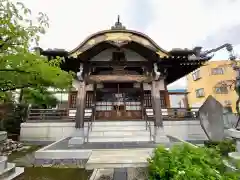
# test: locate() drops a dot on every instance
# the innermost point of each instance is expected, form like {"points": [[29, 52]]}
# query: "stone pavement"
{"points": [[119, 158]]}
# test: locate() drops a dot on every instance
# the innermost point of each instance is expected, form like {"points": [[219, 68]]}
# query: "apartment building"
{"points": [[215, 78]]}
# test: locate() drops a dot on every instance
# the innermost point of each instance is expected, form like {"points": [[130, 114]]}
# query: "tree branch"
{"points": [[15, 70], [17, 87]]}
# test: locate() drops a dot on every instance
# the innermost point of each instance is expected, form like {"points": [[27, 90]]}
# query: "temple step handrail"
{"points": [[149, 116], [89, 116]]}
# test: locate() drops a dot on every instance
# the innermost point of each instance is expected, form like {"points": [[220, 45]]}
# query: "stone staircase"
{"points": [[9, 171], [119, 131]]}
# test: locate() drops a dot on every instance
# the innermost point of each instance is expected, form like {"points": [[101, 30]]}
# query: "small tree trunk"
{"points": [[238, 111]]}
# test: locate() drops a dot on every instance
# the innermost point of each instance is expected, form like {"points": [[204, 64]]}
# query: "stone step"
{"points": [[3, 163], [119, 158], [118, 133], [120, 123], [119, 128], [9, 170], [18, 171], [120, 139]]}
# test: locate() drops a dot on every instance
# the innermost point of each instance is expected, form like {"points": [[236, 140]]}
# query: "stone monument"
{"points": [[211, 119]]}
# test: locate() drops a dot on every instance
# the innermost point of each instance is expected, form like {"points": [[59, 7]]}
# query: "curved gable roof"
{"points": [[118, 36]]}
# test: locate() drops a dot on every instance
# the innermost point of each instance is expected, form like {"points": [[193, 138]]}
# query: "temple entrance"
{"points": [[118, 101]]}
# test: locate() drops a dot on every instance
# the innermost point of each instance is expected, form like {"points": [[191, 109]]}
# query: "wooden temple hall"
{"points": [[120, 73]]}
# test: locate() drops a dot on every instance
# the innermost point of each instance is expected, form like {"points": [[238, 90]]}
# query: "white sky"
{"points": [[171, 23]]}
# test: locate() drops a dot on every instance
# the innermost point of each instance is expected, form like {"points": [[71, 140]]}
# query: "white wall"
{"points": [[185, 130], [46, 131], [106, 55]]}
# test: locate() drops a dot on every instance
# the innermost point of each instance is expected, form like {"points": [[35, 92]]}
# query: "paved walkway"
{"points": [[119, 158], [25, 161], [63, 145]]}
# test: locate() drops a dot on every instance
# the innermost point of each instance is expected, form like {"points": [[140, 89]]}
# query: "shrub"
{"points": [[184, 162], [223, 147], [15, 115]]}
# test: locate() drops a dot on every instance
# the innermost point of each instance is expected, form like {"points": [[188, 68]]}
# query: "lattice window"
{"points": [[89, 99], [72, 99], [104, 106], [147, 101], [133, 106], [163, 100]]}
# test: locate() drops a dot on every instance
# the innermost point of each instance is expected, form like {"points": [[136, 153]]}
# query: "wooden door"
{"points": [[118, 110]]}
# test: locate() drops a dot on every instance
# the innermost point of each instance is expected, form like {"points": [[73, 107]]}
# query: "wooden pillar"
{"points": [[94, 100], [156, 101], [186, 101], [167, 96], [142, 100], [167, 99], [79, 120]]}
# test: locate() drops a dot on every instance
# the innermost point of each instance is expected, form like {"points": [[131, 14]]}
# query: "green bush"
{"points": [[223, 147], [184, 162], [15, 115]]}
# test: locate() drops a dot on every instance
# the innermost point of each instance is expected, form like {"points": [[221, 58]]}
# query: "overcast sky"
{"points": [[171, 23]]}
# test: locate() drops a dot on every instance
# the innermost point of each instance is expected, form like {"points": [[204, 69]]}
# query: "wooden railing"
{"points": [[51, 114], [69, 114], [58, 114]]}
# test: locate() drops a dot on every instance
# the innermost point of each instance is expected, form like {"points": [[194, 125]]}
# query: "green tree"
{"points": [[40, 98], [20, 67]]}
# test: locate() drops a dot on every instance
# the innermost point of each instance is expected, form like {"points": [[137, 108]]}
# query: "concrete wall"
{"points": [[46, 131], [185, 130]]}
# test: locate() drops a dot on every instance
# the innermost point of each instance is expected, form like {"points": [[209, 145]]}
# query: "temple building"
{"points": [[121, 73]]}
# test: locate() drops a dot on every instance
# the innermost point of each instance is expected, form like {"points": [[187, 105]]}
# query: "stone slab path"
{"points": [[119, 158]]}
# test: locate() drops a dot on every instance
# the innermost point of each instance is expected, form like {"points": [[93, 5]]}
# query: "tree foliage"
{"points": [[41, 98], [20, 67]]}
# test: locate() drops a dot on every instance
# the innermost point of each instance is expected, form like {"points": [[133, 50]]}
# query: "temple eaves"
{"points": [[118, 25]]}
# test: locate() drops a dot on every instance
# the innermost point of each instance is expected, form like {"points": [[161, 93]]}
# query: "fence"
{"points": [[179, 113], [51, 115], [69, 114]]}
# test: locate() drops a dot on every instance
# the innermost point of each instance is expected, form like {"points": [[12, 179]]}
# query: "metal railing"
{"points": [[148, 117], [230, 120], [179, 113], [89, 117], [51, 115]]}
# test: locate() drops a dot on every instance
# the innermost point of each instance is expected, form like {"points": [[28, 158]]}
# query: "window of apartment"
{"points": [[217, 71], [221, 90], [196, 75], [200, 92]]}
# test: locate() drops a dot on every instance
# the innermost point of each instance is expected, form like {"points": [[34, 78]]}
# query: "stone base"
{"points": [[3, 136], [77, 138], [120, 174], [76, 141], [160, 136], [238, 145]]}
